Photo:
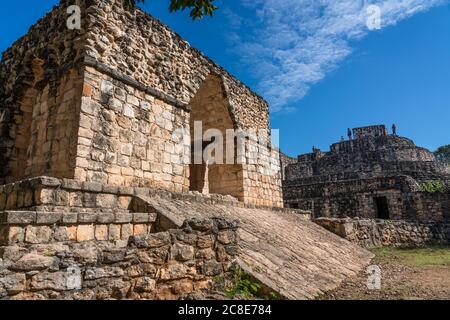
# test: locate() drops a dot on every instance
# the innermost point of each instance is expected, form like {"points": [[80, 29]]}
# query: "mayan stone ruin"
{"points": [[373, 174], [125, 86], [99, 196], [103, 194]]}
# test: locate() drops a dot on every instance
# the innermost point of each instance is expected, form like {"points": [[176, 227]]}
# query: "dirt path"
{"points": [[406, 274]]}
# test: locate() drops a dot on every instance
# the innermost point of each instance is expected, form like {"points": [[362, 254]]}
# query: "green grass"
{"points": [[239, 283], [417, 257]]}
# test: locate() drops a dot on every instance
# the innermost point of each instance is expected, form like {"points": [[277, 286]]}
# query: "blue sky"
{"points": [[319, 66]]}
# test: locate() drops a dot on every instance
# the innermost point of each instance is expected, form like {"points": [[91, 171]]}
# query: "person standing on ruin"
{"points": [[394, 129]]}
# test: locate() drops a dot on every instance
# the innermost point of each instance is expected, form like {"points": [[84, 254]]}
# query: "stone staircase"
{"points": [[286, 252]]}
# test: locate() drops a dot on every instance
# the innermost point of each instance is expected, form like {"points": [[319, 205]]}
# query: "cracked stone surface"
{"points": [[286, 252]]}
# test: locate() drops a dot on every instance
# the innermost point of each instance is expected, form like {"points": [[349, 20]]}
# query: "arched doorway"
{"points": [[210, 113]]}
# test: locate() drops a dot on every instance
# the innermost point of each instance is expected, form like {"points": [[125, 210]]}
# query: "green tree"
{"points": [[443, 153], [198, 8]]}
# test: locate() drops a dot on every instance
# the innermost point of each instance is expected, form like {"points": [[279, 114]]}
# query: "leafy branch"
{"points": [[198, 8]]}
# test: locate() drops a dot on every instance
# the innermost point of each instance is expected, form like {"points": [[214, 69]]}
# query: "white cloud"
{"points": [[293, 44]]}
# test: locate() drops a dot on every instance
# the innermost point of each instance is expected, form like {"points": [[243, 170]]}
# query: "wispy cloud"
{"points": [[293, 44]]}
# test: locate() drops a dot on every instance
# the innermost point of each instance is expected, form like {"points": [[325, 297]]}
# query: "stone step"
{"points": [[69, 218], [35, 227]]}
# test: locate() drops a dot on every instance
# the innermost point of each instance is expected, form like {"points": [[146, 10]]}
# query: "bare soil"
{"points": [[407, 274]]}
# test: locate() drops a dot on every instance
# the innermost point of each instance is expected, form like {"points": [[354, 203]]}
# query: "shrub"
{"points": [[434, 187], [238, 283]]}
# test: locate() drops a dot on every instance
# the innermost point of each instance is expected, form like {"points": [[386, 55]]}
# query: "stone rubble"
{"points": [[165, 265], [373, 233]]}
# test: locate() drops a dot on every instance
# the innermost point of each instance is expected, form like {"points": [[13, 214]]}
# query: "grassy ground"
{"points": [[423, 257], [406, 274]]}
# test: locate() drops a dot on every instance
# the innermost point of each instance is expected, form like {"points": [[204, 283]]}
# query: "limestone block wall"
{"points": [[357, 198], [262, 175], [165, 265], [371, 233], [371, 131], [141, 47], [285, 160], [368, 157], [51, 137], [39, 91], [129, 138], [113, 103], [39, 227], [67, 239]]}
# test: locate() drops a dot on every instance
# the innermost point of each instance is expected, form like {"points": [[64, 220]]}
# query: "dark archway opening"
{"points": [[382, 207], [210, 108]]}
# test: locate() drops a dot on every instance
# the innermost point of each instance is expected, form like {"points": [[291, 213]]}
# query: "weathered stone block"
{"points": [[32, 262], [44, 196], [88, 106], [110, 189], [212, 268], [200, 224], [124, 202], [101, 232], [127, 231], [176, 270], [114, 232], [87, 217], [140, 217], [71, 184], [221, 254], [105, 272], [108, 201], [152, 240], [107, 87], [145, 284], [89, 200], [75, 199], [140, 229], [56, 281], [232, 250], [183, 287], [182, 252], [124, 217], [48, 218], [69, 218], [126, 191], [113, 256], [36, 235], [2, 201], [46, 182], [226, 237], [205, 241], [10, 235], [11, 202], [61, 234], [61, 198], [92, 186], [14, 283], [205, 254], [72, 232], [85, 233], [17, 217], [105, 217]]}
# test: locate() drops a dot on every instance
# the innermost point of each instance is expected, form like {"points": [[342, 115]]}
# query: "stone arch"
{"points": [[42, 119], [210, 106], [22, 128]]}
